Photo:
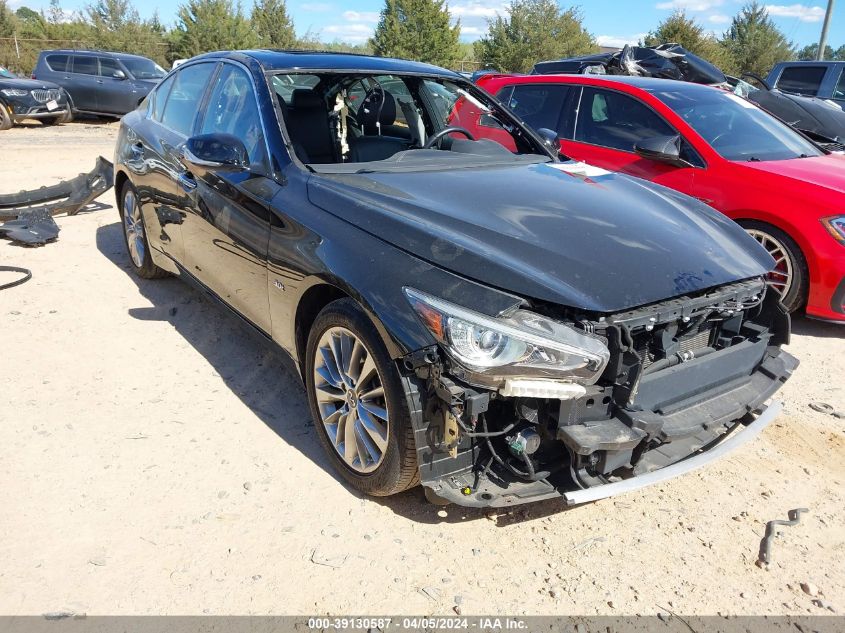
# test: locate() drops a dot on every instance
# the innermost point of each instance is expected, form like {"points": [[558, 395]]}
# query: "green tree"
{"points": [[808, 53], [272, 24], [419, 30], [533, 31], [30, 24], [680, 29], [7, 20], [754, 42], [210, 25]]}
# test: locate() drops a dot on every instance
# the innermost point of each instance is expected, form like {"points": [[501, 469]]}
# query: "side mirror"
{"points": [[119, 74], [664, 149], [215, 151], [550, 138]]}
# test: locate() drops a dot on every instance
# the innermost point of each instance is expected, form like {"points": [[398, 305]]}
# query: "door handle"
{"points": [[186, 181]]}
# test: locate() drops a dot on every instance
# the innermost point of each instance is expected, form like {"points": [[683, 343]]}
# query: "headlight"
{"points": [[836, 227], [14, 92], [523, 344]]}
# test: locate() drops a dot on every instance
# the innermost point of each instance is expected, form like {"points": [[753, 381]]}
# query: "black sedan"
{"points": [[29, 99], [466, 310]]}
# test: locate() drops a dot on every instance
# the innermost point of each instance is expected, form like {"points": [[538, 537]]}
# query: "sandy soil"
{"points": [[157, 458]]}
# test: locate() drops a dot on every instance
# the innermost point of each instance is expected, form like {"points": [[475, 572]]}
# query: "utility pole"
{"points": [[823, 40]]}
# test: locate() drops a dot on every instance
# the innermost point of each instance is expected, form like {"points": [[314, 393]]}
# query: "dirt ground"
{"points": [[159, 459]]}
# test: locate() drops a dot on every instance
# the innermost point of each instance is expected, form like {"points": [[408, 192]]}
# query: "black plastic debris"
{"points": [[68, 196], [33, 227], [26, 275], [667, 61]]}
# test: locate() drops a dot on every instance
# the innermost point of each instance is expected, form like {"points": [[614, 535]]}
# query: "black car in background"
{"points": [[99, 82], [468, 313], [28, 99]]}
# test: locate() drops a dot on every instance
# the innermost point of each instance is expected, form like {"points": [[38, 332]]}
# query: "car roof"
{"points": [[330, 61], [813, 62], [89, 51], [646, 84]]}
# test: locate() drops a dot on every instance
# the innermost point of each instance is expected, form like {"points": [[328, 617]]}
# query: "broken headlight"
{"points": [[519, 345]]}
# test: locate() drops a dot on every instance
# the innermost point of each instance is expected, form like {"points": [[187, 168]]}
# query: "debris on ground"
{"points": [[31, 228], [25, 272], [68, 196], [328, 561], [771, 531], [822, 407]]}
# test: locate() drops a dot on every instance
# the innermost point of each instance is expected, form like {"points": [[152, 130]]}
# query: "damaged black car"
{"points": [[466, 311]]}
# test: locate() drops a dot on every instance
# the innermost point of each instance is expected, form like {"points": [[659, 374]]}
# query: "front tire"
{"points": [[790, 278], [135, 235], [5, 118], [358, 402]]}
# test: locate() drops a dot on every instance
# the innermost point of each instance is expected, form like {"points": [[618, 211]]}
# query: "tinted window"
{"points": [[804, 80], [537, 104], [57, 62], [185, 95], [159, 98], [143, 68], [108, 67], [85, 65], [232, 109], [736, 128], [611, 119]]}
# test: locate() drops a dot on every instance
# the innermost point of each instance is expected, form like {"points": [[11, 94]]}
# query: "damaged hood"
{"points": [[809, 114], [591, 240]]}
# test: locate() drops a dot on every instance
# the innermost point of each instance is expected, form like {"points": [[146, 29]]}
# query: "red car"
{"points": [[708, 143]]}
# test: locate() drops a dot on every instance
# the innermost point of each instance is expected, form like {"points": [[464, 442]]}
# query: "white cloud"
{"points": [[690, 5], [472, 31], [351, 33], [805, 14], [476, 9], [361, 16], [718, 18], [618, 41]]}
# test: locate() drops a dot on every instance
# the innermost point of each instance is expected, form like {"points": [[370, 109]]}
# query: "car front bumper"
{"points": [[21, 108], [683, 418]]}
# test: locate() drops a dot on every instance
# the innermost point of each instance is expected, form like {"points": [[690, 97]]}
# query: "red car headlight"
{"points": [[835, 225]]}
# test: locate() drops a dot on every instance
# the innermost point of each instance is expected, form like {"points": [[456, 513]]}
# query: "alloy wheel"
{"points": [[351, 400], [781, 277], [134, 228]]}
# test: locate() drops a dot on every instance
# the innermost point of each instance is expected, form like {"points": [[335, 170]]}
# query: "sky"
{"points": [[613, 22]]}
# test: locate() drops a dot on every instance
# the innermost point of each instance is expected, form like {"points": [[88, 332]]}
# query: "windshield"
{"points": [[735, 128], [143, 68], [343, 123], [6, 73]]}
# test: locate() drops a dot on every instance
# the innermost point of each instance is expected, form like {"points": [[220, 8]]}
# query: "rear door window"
{"points": [[803, 80], [85, 65], [159, 98], [611, 119], [57, 63], [183, 102]]}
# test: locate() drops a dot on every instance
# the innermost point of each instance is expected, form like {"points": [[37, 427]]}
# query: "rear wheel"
{"points": [[135, 235], [358, 403], [789, 276]]}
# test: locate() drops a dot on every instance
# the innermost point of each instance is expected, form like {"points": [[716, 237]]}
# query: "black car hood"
{"points": [[26, 84], [808, 114], [604, 243]]}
